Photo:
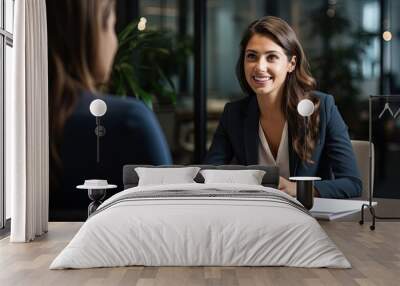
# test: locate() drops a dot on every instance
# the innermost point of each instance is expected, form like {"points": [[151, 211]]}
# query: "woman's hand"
{"points": [[287, 186]]}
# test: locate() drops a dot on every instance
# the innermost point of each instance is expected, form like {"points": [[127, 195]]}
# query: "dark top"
{"points": [[237, 139], [133, 136]]}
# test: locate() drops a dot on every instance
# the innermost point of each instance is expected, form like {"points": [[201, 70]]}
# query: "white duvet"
{"points": [[183, 231]]}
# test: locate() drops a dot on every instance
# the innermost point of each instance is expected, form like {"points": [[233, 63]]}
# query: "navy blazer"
{"points": [[236, 138], [133, 136]]}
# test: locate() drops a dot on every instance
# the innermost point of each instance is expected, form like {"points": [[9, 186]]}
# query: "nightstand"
{"points": [[96, 191]]}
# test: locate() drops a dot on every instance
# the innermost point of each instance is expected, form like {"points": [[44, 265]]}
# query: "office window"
{"points": [[394, 28], [2, 195], [9, 61], [371, 25], [176, 18], [6, 43], [161, 15], [9, 16], [226, 21]]}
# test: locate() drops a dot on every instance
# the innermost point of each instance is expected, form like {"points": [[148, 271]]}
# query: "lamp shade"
{"points": [[98, 107], [305, 107]]}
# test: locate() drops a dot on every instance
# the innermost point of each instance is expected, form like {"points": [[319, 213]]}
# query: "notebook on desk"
{"points": [[331, 209]]}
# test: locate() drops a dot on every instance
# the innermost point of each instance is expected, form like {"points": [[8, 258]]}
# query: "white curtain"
{"points": [[27, 147]]}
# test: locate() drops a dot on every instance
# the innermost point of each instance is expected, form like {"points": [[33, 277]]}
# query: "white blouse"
{"points": [[265, 156]]}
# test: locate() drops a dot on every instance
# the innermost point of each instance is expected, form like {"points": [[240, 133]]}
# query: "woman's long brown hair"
{"points": [[299, 84], [73, 28]]}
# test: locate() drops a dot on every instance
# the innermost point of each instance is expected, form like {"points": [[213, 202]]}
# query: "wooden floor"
{"points": [[374, 255]]}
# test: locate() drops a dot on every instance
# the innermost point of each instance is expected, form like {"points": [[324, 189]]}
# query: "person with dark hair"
{"points": [[265, 127], [81, 47]]}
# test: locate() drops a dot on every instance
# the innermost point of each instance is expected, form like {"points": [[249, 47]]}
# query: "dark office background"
{"points": [[343, 40]]}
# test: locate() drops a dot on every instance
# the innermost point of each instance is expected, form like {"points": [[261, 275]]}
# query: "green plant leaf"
{"points": [[146, 62]]}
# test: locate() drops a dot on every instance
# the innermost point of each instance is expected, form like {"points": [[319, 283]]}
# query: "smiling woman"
{"points": [[265, 127]]}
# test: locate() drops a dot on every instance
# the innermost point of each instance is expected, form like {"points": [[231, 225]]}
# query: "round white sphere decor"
{"points": [[305, 107], [98, 107]]}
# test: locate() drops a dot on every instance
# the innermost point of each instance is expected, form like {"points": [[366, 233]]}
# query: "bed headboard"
{"points": [[270, 179]]}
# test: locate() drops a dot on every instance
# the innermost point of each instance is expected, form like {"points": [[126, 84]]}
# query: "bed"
{"points": [[201, 224]]}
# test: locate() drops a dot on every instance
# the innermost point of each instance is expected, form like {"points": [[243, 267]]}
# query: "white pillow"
{"points": [[165, 176], [248, 177]]}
